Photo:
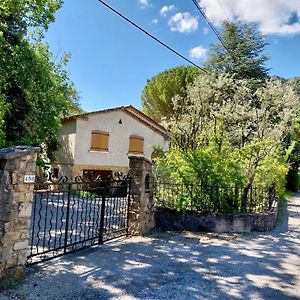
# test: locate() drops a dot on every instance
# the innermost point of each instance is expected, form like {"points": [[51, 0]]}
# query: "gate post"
{"points": [[17, 176], [141, 207]]}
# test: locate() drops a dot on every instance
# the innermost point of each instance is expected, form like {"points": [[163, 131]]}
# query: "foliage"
{"points": [[35, 89], [232, 132], [42, 163], [204, 198], [37, 99], [85, 194], [3, 109], [244, 57], [206, 165], [19, 15], [293, 142], [295, 81], [159, 91]]}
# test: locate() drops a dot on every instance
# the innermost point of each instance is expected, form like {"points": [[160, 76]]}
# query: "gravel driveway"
{"points": [[176, 266]]}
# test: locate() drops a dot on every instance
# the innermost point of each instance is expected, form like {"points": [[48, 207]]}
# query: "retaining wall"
{"points": [[167, 219]]}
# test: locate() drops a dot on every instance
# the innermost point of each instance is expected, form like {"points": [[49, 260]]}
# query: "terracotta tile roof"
{"points": [[130, 110]]}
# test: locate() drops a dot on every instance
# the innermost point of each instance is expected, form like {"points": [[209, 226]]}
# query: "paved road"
{"points": [[177, 266]]}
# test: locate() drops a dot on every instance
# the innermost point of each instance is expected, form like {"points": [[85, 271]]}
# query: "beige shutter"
{"points": [[99, 140], [136, 145]]}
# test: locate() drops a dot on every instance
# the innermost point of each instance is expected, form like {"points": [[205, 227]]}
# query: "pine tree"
{"points": [[241, 53]]}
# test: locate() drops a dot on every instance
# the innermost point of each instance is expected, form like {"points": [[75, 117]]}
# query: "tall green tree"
{"points": [[161, 89], [35, 89], [242, 52], [17, 16], [229, 134]]}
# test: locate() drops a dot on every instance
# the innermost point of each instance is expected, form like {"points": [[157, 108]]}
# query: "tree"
{"points": [[35, 90], [243, 52], [295, 81], [292, 142], [17, 16], [228, 134], [3, 108], [159, 91]]}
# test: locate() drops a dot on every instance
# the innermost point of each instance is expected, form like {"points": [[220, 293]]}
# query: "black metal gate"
{"points": [[68, 216]]}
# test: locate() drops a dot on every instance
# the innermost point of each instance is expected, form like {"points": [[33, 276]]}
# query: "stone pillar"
{"points": [[16, 192], [141, 209]]}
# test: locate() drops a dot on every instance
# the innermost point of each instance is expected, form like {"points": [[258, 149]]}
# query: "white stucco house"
{"points": [[103, 140]]}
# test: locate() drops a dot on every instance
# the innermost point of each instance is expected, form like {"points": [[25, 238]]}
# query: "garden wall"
{"points": [[17, 175], [167, 219], [141, 209]]}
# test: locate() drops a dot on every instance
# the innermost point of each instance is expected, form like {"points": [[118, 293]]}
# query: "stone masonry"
{"points": [[15, 209], [167, 219], [141, 210]]}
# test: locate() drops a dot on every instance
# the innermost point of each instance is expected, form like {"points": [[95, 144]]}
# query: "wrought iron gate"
{"points": [[68, 216]]}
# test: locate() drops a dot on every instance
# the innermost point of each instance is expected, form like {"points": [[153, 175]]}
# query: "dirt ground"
{"points": [[176, 266]]}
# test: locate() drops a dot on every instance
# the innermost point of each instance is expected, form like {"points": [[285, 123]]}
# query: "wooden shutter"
{"points": [[99, 140], [136, 145]]}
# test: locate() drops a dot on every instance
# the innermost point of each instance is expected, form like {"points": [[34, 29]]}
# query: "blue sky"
{"points": [[111, 60]]}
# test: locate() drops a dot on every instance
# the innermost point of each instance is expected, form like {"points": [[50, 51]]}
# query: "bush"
{"points": [[231, 134]]}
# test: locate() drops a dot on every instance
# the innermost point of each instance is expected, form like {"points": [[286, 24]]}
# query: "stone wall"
{"points": [[15, 208], [167, 219], [141, 209]]}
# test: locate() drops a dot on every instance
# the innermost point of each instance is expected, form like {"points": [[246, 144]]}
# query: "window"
{"points": [[99, 141], [136, 145]]}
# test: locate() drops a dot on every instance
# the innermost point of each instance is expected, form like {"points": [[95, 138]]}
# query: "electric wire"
{"points": [[223, 9], [150, 35], [212, 26]]}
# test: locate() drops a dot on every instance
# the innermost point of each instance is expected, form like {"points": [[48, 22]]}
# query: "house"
{"points": [[103, 140]]}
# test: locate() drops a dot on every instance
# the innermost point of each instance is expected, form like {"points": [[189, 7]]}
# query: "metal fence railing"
{"points": [[212, 199], [71, 215]]}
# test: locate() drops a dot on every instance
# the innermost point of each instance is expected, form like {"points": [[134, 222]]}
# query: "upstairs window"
{"points": [[99, 140], [136, 145]]}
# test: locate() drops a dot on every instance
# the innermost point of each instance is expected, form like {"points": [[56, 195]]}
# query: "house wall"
{"points": [[67, 142], [66, 152], [75, 154], [117, 155]]}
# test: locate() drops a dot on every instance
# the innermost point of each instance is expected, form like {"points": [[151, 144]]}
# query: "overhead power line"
{"points": [[150, 35], [224, 11], [211, 26]]}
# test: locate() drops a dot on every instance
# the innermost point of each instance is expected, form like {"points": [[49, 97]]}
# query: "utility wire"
{"points": [[150, 35], [211, 26], [224, 11]]}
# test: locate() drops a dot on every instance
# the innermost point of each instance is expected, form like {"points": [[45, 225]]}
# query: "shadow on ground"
{"points": [[177, 266]]}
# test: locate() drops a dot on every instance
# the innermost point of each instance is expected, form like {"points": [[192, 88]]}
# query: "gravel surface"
{"points": [[48, 223], [176, 266]]}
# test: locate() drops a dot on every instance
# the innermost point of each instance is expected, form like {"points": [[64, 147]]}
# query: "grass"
{"points": [[12, 279]]}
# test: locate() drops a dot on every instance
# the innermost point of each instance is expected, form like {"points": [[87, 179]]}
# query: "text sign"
{"points": [[29, 179]]}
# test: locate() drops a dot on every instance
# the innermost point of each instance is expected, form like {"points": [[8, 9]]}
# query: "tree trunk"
{"points": [[244, 202]]}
